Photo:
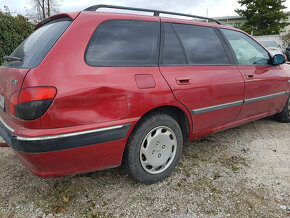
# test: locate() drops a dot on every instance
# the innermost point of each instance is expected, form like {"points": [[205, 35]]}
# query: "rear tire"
{"points": [[153, 149], [284, 115]]}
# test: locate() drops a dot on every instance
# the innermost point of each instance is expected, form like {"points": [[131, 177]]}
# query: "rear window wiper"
{"points": [[11, 58]]}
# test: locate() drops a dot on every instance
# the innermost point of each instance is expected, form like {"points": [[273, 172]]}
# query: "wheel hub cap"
{"points": [[158, 150]]}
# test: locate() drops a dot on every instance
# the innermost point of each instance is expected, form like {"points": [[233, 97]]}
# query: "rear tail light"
{"points": [[31, 103]]}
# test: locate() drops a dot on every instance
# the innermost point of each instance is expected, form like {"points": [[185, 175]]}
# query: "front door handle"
{"points": [[183, 81]]}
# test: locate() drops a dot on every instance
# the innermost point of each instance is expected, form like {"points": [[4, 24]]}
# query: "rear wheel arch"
{"points": [[176, 113]]}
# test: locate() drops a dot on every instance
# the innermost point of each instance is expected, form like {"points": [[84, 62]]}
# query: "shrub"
{"points": [[13, 30]]}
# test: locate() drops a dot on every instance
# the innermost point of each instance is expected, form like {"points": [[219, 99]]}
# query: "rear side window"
{"points": [[33, 49], [202, 45], [124, 43], [173, 53]]}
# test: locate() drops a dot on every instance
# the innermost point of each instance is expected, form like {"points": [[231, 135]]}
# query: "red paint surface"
{"points": [[265, 80], [72, 15], [145, 81], [74, 161], [210, 85]]}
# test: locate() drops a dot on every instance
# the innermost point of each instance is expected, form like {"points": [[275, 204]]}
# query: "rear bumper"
{"points": [[69, 153]]}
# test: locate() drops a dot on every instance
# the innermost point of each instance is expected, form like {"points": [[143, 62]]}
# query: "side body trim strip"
{"points": [[68, 141], [68, 134], [261, 98], [237, 103], [217, 107]]}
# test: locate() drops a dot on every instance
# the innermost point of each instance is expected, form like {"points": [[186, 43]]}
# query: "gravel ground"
{"points": [[241, 172]]}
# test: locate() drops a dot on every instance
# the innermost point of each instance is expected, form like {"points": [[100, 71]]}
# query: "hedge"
{"points": [[13, 30]]}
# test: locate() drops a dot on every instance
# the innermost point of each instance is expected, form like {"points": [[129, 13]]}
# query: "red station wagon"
{"points": [[91, 90]]}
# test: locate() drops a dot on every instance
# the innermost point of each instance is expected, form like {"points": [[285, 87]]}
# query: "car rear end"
{"points": [[22, 106]]}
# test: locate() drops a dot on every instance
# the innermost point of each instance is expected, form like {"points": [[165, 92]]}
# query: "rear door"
{"points": [[266, 85], [201, 74]]}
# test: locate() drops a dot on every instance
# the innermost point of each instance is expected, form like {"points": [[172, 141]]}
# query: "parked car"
{"points": [[272, 46], [89, 91]]}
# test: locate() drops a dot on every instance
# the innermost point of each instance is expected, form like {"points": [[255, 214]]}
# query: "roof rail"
{"points": [[156, 12]]}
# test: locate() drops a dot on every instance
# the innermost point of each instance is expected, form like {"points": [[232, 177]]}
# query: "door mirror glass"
{"points": [[278, 59]]}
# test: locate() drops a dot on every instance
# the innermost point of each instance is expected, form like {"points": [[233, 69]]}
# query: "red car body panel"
{"points": [[263, 81], [74, 161], [96, 98], [72, 15], [209, 85]]}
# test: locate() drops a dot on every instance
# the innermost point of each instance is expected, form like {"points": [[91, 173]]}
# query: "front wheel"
{"points": [[153, 149], [284, 115]]}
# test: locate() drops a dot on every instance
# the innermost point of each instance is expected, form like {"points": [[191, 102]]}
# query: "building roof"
{"points": [[237, 17], [228, 17]]}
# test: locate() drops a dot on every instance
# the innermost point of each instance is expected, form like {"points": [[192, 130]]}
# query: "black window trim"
{"points": [[182, 46], [226, 45], [233, 55], [222, 40], [155, 62], [162, 46], [232, 50]]}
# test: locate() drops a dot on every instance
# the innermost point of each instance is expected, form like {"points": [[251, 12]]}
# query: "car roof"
{"points": [[162, 18]]}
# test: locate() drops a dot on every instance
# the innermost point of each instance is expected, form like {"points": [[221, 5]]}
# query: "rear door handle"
{"points": [[183, 81], [249, 75]]}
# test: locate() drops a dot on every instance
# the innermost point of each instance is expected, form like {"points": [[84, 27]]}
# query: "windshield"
{"points": [[269, 44], [33, 49]]}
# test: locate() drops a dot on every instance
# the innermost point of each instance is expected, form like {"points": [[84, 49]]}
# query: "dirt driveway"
{"points": [[242, 172]]}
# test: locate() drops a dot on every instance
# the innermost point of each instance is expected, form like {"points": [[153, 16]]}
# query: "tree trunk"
{"points": [[43, 9], [48, 8]]}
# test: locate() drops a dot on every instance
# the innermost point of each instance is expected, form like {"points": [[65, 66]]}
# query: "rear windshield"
{"points": [[33, 49]]}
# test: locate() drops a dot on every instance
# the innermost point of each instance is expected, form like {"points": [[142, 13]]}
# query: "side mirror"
{"points": [[278, 59], [288, 48]]}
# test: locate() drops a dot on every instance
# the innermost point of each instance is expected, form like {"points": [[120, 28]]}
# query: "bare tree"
{"points": [[41, 9]]}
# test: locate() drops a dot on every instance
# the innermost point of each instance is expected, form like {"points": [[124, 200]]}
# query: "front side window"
{"points": [[247, 51], [202, 45], [124, 43]]}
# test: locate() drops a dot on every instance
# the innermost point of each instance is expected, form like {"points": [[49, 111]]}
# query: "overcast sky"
{"points": [[216, 8]]}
